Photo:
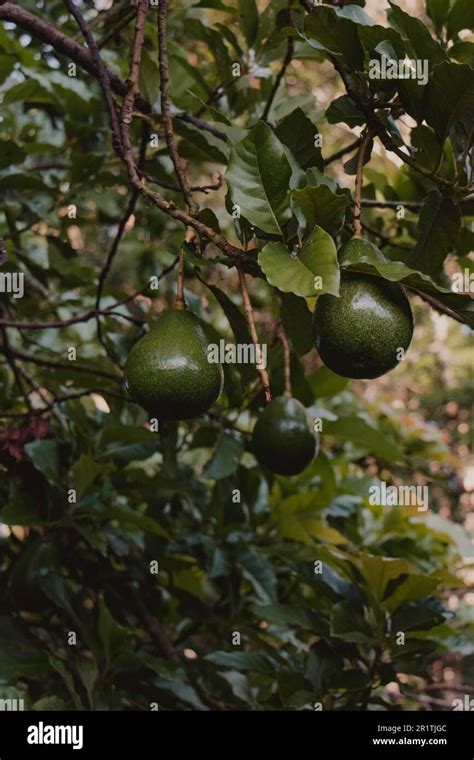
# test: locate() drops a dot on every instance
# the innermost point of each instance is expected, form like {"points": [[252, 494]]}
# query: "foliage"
{"points": [[317, 581]]}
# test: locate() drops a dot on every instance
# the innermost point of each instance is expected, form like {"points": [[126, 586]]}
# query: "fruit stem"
{"points": [[253, 332], [286, 360], [358, 185], [180, 302]]}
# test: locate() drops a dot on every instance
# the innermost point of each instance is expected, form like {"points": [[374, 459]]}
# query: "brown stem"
{"points": [[437, 305], [180, 302], [253, 332], [178, 163], [164, 646], [358, 185], [341, 153], [286, 360], [356, 89], [53, 364]]}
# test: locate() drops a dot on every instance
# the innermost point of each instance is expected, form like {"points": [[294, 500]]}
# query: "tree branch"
{"points": [[82, 56], [102, 73], [178, 163], [253, 332], [286, 360], [64, 399], [341, 153], [356, 89], [358, 184]]}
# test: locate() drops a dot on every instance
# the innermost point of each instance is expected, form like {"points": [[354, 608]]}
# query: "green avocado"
{"points": [[360, 333], [283, 438], [168, 373]]}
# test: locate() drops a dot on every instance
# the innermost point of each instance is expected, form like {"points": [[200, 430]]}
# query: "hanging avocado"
{"points": [[283, 437], [365, 331], [168, 373]]}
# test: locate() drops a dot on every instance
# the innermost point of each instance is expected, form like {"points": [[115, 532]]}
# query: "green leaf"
{"points": [[285, 615], [182, 691], [45, 456], [437, 231], [225, 459], [248, 15], [461, 16], [344, 109], [334, 33], [133, 521], [258, 570], [462, 52], [412, 588], [298, 133], [297, 274], [242, 661], [321, 206], [355, 429], [10, 154], [296, 320], [86, 471], [126, 443], [378, 571], [114, 639], [438, 11], [449, 98], [348, 624], [258, 177], [420, 43], [19, 657], [325, 382]]}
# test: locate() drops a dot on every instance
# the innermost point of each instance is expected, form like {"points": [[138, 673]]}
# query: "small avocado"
{"points": [[168, 373], [283, 438], [360, 334]]}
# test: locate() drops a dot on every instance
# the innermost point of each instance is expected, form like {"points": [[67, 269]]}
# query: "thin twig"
{"points": [[253, 333], [341, 153], [102, 73], [73, 366], [164, 646], [286, 360], [63, 399], [178, 163], [358, 185], [358, 93]]}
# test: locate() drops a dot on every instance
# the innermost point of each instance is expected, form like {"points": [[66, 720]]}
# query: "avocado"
{"points": [[167, 371], [283, 438], [360, 333]]}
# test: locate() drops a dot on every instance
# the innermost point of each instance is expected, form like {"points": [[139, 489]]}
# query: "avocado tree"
{"points": [[235, 323]]}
